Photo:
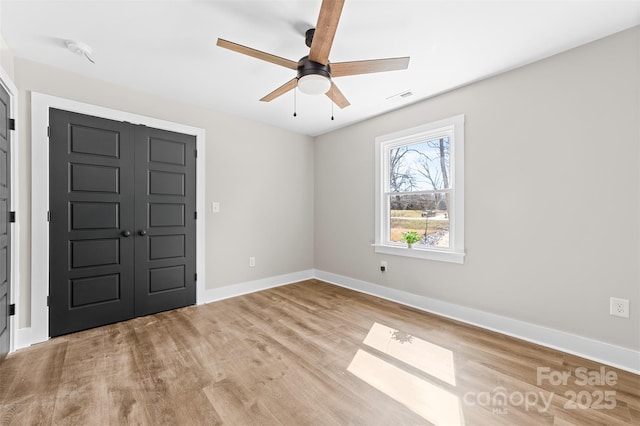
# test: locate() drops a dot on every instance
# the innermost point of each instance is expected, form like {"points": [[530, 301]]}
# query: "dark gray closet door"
{"points": [[123, 241], [165, 220], [5, 233], [91, 166]]}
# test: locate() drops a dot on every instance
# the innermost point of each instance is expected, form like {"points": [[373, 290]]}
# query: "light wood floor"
{"points": [[305, 353]]}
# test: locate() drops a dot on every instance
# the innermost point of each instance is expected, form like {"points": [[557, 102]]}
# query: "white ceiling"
{"points": [[168, 47]]}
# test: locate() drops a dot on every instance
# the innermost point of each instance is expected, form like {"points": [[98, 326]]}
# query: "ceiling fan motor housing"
{"points": [[307, 67]]}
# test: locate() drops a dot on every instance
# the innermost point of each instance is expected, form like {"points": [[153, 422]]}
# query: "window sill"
{"points": [[439, 255]]}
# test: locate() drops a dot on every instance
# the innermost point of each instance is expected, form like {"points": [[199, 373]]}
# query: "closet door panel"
{"points": [[91, 261], [165, 220]]}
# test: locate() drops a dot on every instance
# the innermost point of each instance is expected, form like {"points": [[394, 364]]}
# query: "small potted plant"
{"points": [[410, 237]]}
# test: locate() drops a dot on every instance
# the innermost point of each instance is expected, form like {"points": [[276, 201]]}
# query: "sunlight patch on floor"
{"points": [[432, 359], [433, 403]]}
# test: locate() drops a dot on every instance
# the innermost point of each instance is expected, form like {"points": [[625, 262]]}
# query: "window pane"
{"points": [[422, 166], [427, 214]]}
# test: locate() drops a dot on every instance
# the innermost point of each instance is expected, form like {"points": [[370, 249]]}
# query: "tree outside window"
{"points": [[419, 191]]}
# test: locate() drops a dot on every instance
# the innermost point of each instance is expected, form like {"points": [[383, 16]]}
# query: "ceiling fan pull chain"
{"points": [[294, 102], [332, 102]]}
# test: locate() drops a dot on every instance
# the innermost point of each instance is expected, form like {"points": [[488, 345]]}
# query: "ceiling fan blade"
{"points": [[341, 69], [287, 63], [337, 97], [291, 84], [325, 30]]}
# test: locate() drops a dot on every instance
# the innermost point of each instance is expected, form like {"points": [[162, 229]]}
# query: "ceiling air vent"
{"points": [[403, 94]]}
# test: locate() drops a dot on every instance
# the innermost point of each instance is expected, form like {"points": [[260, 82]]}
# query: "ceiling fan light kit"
{"points": [[313, 84], [314, 72]]}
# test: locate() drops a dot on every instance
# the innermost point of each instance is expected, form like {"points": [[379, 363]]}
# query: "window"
{"points": [[419, 187]]}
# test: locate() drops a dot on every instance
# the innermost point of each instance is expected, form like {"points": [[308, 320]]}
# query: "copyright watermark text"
{"points": [[598, 396]]}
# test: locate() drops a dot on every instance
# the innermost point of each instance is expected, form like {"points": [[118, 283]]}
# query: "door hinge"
{"points": [[195, 153], [12, 217], [12, 124], [195, 215], [48, 131], [195, 277], [48, 304], [48, 216], [12, 309]]}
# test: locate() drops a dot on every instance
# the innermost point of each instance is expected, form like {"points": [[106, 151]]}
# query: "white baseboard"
{"points": [[215, 294], [615, 356]]}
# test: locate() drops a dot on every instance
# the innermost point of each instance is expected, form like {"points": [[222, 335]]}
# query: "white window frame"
{"points": [[455, 127]]}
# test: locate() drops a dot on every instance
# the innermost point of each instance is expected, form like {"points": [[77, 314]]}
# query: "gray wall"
{"points": [[261, 175], [6, 58], [552, 194]]}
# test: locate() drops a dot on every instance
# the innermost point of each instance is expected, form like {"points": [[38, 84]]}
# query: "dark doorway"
{"points": [[122, 221], [5, 228]]}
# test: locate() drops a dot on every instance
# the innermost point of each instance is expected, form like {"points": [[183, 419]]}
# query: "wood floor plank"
{"points": [[285, 356]]}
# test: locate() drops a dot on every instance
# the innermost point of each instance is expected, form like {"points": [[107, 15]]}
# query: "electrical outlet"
{"points": [[383, 265], [619, 307], [252, 262]]}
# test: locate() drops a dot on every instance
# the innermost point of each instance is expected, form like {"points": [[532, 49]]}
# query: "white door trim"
{"points": [[10, 87], [40, 104]]}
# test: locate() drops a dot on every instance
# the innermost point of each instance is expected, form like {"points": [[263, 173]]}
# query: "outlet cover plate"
{"points": [[619, 307]]}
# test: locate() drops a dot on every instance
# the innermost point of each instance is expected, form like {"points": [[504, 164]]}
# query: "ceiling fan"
{"points": [[315, 72]]}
